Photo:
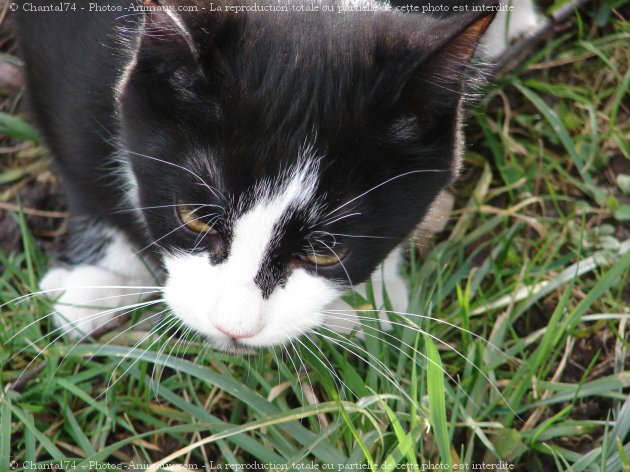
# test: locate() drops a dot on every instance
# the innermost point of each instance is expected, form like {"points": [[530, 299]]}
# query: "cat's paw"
{"points": [[87, 298], [342, 318]]}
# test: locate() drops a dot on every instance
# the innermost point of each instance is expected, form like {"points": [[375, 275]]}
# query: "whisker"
{"points": [[388, 375], [155, 385], [108, 342], [151, 332], [200, 205], [352, 235], [180, 342], [335, 220], [41, 318], [85, 320], [202, 181], [203, 235], [404, 315], [320, 417], [155, 242], [23, 298], [326, 233], [41, 351], [327, 365], [130, 327], [297, 372], [424, 356], [404, 174], [340, 263], [189, 337], [435, 338]]}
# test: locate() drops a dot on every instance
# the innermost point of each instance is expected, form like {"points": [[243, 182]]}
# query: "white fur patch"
{"points": [[90, 294], [223, 300], [205, 298]]}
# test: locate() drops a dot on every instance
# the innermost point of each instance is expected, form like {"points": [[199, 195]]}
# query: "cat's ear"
{"points": [[169, 32], [445, 73], [183, 31]]}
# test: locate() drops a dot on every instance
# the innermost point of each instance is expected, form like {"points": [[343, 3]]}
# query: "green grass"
{"points": [[516, 352]]}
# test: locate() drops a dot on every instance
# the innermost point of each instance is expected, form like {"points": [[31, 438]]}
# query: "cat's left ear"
{"points": [[186, 32], [443, 73], [165, 29]]}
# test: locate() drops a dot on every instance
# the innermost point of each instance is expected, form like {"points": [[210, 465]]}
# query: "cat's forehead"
{"points": [[317, 63]]}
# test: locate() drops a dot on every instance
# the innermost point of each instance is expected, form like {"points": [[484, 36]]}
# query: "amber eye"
{"points": [[334, 256], [192, 218]]}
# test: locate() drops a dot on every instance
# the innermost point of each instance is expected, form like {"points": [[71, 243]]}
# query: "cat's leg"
{"points": [[387, 279], [96, 276]]}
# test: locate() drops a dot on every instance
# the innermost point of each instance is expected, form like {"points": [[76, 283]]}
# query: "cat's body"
{"points": [[261, 163]]}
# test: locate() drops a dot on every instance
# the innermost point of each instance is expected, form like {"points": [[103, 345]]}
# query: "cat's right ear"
{"points": [[166, 32], [186, 33]]}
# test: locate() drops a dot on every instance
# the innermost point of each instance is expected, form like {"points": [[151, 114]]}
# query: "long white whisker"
{"points": [[339, 218], [426, 317], [419, 171], [151, 332], [203, 235], [203, 182], [327, 365], [352, 235], [155, 242], [155, 385], [183, 339], [384, 372], [23, 298], [297, 371], [340, 263], [41, 318], [119, 334], [62, 334], [435, 338], [85, 336], [451, 378], [200, 205]]}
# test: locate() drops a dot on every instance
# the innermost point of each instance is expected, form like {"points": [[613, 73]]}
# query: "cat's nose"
{"points": [[232, 335]]}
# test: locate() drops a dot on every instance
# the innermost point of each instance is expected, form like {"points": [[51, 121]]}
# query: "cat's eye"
{"points": [[190, 217], [332, 257]]}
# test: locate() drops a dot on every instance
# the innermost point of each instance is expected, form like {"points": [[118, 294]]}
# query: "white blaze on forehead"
{"points": [[254, 231], [223, 298]]}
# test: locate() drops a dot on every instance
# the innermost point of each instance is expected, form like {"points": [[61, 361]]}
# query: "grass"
{"points": [[516, 352]]}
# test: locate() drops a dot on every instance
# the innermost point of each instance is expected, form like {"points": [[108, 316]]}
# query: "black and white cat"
{"points": [[259, 163]]}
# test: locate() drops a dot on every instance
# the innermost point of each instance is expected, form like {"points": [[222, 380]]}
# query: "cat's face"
{"points": [[279, 158]]}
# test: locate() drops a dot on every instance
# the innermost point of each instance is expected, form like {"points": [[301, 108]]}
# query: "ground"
{"points": [[524, 301]]}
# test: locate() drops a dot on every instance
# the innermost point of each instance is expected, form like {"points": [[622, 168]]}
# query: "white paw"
{"points": [[87, 298], [343, 319]]}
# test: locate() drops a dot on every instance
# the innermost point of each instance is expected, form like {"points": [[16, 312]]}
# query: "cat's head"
{"points": [[281, 156]]}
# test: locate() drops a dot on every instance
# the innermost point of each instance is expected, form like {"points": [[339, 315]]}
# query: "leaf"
{"points": [[29, 423], [558, 127], [623, 182], [437, 401], [17, 128], [5, 430], [622, 213], [509, 444], [324, 451]]}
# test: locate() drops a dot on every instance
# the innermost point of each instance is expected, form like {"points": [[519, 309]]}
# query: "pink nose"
{"points": [[233, 335]]}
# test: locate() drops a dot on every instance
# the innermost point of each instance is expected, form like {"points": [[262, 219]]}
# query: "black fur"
{"points": [[377, 95]]}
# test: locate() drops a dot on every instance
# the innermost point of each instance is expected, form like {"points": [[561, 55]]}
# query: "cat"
{"points": [[251, 165]]}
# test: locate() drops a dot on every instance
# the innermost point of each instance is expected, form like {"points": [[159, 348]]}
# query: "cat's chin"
{"points": [[233, 346]]}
